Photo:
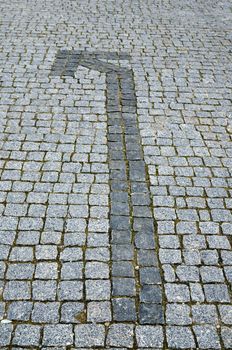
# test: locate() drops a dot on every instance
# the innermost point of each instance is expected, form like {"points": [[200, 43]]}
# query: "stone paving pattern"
{"points": [[115, 165]]}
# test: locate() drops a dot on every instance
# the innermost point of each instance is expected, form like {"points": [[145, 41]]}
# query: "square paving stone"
{"points": [[58, 335], [119, 185], [72, 312], [71, 254], [46, 270], [74, 239], [178, 314], [209, 257], [137, 171], [216, 293], [211, 274], [226, 257], [99, 311], [180, 337], [96, 270], [204, 314], [118, 208], [45, 313], [27, 335], [120, 335], [140, 199], [19, 310], [20, 271], [119, 197], [226, 313], [98, 240], [207, 337], [70, 290], [51, 238], [7, 237], [46, 252], [21, 254], [170, 256], [71, 271], [98, 289], [44, 290], [5, 334], [149, 336], [226, 333], [187, 273], [177, 292], [89, 335], [196, 291], [16, 290], [98, 254]]}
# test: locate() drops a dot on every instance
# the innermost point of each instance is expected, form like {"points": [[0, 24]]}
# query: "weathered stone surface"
{"points": [[115, 175]]}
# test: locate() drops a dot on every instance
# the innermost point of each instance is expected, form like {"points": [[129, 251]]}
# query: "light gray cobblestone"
{"points": [[115, 175]]}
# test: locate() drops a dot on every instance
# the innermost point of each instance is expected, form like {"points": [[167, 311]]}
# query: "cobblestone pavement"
{"points": [[115, 165]]}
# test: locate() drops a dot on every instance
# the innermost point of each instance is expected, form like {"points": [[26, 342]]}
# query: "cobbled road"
{"points": [[115, 174]]}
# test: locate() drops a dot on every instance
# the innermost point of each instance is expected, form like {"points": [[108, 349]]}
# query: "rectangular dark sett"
{"points": [[123, 287], [144, 240], [117, 164], [115, 146], [121, 197], [138, 188], [120, 223], [122, 269], [133, 146], [116, 155], [114, 138], [143, 225], [137, 171], [141, 198], [118, 208], [134, 155], [118, 185], [118, 174], [142, 211], [121, 237], [124, 310], [151, 294], [150, 275], [122, 252], [151, 314], [115, 130]]}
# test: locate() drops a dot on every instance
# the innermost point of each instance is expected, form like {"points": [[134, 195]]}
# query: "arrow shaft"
{"points": [[135, 296]]}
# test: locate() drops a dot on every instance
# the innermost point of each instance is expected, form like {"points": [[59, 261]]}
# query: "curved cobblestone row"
{"points": [[115, 175]]}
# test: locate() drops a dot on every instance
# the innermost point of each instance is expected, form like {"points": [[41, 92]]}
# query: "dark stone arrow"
{"points": [[136, 280]]}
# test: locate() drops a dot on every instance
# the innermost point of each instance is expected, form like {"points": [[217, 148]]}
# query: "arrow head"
{"points": [[67, 61]]}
